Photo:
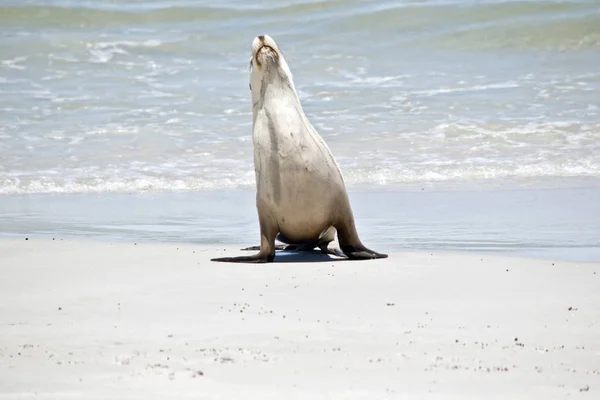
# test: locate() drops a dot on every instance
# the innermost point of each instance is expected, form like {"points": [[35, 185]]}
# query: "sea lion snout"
{"points": [[264, 41]]}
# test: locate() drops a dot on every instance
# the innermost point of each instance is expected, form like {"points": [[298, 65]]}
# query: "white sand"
{"points": [[98, 320]]}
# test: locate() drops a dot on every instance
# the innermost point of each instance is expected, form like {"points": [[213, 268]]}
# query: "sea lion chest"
{"points": [[296, 174]]}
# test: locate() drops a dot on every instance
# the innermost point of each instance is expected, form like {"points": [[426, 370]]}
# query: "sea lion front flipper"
{"points": [[260, 257], [254, 259], [268, 231]]}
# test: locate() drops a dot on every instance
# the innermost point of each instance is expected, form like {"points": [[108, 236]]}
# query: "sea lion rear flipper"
{"points": [[363, 253], [332, 252]]}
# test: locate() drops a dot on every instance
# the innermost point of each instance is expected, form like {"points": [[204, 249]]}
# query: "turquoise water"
{"points": [[137, 96], [458, 124]]}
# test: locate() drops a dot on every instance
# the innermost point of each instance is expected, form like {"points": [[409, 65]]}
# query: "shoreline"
{"points": [[471, 185], [103, 320], [543, 223], [291, 256]]}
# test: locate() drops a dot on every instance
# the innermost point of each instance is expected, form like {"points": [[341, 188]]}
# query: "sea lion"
{"points": [[301, 197]]}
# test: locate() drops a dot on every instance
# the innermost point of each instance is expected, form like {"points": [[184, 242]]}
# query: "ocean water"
{"points": [[150, 98]]}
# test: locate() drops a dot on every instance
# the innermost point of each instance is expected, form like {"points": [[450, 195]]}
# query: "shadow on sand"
{"points": [[305, 256]]}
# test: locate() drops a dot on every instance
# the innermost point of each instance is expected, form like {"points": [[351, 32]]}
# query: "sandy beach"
{"points": [[85, 319]]}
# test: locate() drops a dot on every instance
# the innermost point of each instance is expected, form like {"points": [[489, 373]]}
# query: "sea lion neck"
{"points": [[277, 76], [276, 85]]}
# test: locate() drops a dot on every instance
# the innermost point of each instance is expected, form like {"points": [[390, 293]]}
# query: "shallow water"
{"points": [[135, 96], [558, 223]]}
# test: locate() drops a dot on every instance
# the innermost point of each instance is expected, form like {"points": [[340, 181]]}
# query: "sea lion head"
{"points": [[267, 65]]}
